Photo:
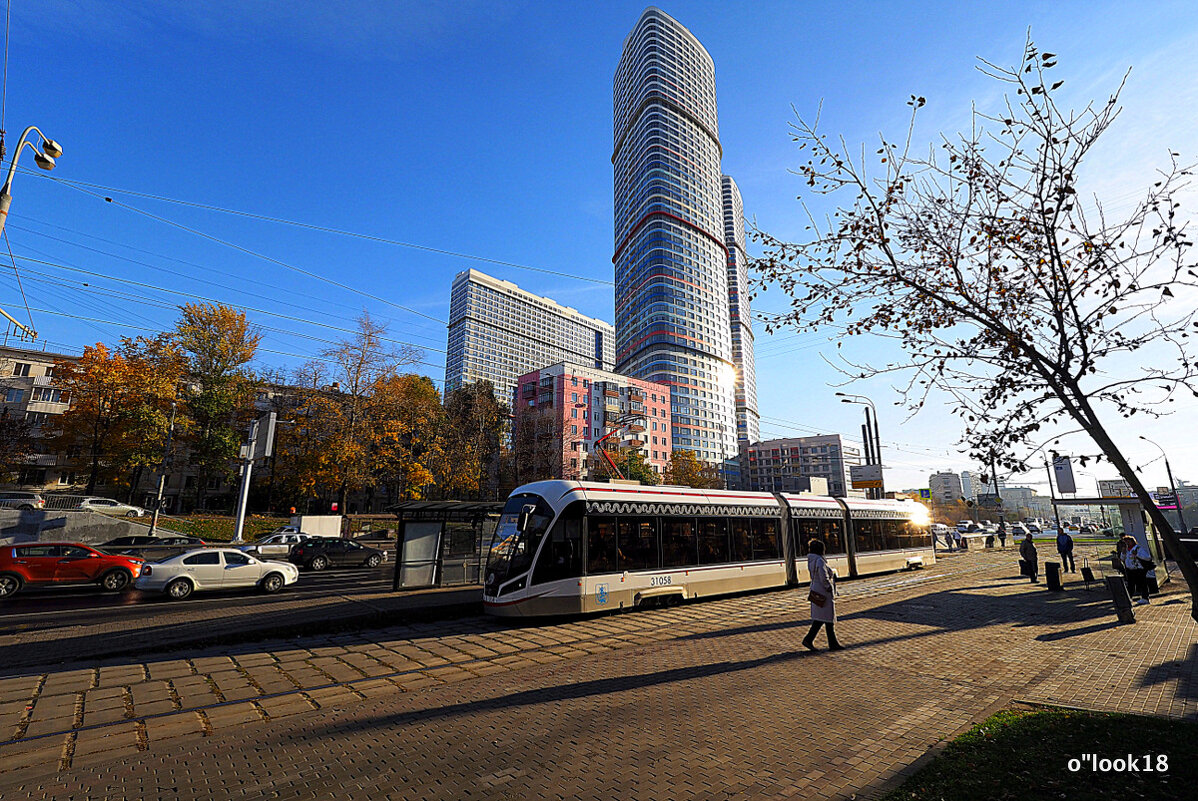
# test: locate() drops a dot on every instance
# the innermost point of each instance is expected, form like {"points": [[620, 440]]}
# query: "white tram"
{"points": [[568, 547]]}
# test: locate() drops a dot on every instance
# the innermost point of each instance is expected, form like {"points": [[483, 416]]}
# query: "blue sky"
{"points": [[484, 128]]}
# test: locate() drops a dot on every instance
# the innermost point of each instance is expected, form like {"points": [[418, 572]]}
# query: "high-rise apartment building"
{"points": [[563, 410], [780, 465], [969, 485], [671, 260], [748, 423], [946, 488], [498, 332]]}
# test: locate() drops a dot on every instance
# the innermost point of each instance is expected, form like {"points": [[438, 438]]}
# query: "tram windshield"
{"points": [[512, 550]]}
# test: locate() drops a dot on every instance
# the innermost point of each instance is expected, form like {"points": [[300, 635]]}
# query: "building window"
{"points": [[20, 368], [50, 371], [14, 396]]}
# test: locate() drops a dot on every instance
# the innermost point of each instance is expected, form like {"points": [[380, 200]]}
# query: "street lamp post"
{"points": [[872, 439], [50, 150], [1181, 520]]}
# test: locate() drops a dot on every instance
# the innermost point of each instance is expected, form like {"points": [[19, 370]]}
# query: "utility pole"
{"points": [[1052, 493], [997, 493], [166, 455]]}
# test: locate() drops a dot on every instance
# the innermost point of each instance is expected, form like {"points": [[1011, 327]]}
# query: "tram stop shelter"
{"points": [[1131, 515], [442, 543]]}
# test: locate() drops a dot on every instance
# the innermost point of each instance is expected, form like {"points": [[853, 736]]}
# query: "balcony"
{"points": [[611, 393], [636, 395], [635, 429], [42, 459]]}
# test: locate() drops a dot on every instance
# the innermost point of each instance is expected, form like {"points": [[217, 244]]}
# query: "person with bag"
{"points": [[1137, 561], [822, 596], [1065, 549]]}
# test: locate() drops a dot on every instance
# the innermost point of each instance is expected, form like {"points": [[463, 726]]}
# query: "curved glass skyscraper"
{"points": [[673, 322], [748, 424]]}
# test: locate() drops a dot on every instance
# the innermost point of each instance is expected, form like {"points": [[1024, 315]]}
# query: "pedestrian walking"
{"points": [[1137, 561], [822, 597], [957, 537], [1002, 535], [1065, 549], [1027, 552]]}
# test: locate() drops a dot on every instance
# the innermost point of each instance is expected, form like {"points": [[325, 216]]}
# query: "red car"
{"points": [[64, 563]]}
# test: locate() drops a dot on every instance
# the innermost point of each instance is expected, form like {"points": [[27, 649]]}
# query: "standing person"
{"points": [[1027, 552], [957, 537], [1002, 535], [822, 597], [1136, 562], [1065, 549]]}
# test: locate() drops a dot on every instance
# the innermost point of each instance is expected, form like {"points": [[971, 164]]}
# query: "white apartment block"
{"points": [[945, 487], [498, 332], [779, 465], [27, 391]]}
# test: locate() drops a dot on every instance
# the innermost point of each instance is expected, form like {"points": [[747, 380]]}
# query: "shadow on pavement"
{"points": [[564, 692], [1185, 671]]}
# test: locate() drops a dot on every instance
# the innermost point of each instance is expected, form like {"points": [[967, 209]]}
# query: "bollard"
{"points": [[1118, 587], [1052, 572]]}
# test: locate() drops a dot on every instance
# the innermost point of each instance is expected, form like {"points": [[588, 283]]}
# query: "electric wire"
{"points": [[4, 91], [17, 273], [213, 270], [262, 350], [324, 229], [195, 296], [251, 252]]}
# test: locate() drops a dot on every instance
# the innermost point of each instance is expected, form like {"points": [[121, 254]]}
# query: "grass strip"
{"points": [[1041, 754]]}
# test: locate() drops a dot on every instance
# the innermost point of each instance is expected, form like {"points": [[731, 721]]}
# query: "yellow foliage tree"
{"points": [[685, 470]]}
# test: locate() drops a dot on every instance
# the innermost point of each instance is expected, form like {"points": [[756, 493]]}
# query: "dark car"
{"points": [[64, 563], [318, 553]]}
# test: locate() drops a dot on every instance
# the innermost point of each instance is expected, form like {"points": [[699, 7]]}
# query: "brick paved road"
{"points": [[714, 700]]}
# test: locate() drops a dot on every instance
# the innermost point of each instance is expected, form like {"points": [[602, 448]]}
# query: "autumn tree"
{"points": [[474, 424], [1028, 305], [405, 417], [686, 470], [355, 367], [630, 461], [120, 401], [16, 444], [219, 343]]}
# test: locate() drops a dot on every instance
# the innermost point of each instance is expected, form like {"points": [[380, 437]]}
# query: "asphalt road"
{"points": [[84, 604]]}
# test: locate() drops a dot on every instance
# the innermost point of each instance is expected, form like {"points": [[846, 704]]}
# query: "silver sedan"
{"points": [[214, 569]]}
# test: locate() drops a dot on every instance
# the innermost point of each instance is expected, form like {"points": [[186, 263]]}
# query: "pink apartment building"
{"points": [[561, 411]]}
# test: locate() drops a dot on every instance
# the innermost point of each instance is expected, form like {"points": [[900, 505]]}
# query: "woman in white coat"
{"points": [[823, 584]]}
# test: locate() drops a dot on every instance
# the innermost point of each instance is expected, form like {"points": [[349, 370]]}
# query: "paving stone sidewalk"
{"points": [[707, 700]]}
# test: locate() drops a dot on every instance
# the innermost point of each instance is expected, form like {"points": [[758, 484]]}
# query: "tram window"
{"points": [[678, 543], [742, 540], [805, 530], [913, 536], [833, 536], [561, 556], [765, 539], [601, 545], [637, 548], [867, 535], [713, 540], [890, 532]]}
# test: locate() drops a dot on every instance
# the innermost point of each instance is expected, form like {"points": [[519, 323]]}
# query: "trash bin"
{"points": [[1052, 573], [1118, 587]]}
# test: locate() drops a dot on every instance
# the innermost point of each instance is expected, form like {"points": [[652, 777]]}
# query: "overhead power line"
{"points": [[79, 185]]}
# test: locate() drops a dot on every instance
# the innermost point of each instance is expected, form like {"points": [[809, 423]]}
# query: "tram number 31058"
{"points": [[660, 581]]}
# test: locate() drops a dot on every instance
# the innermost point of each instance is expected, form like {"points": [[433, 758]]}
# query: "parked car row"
{"points": [[32, 501], [189, 567]]}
